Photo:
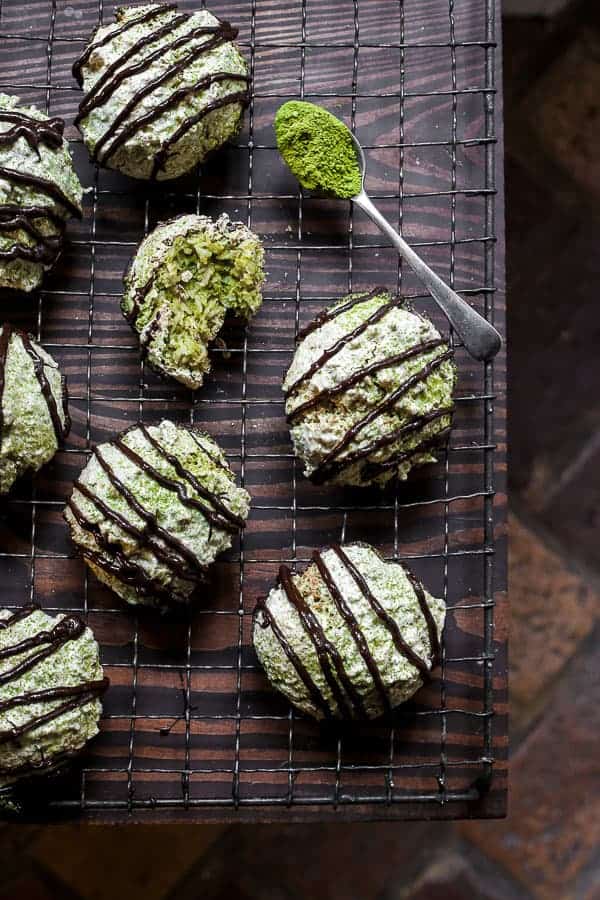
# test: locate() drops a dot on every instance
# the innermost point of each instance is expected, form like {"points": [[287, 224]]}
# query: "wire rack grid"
{"points": [[191, 728]]}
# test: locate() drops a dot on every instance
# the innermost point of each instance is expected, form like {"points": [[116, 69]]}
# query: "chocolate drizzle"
{"points": [[61, 427], [390, 623], [161, 157], [330, 352], [353, 626], [330, 465], [61, 430], [268, 621], [181, 562], [220, 521], [84, 57], [333, 312], [360, 374], [28, 179], [35, 131], [326, 652], [118, 72], [74, 696], [130, 129], [434, 639]]}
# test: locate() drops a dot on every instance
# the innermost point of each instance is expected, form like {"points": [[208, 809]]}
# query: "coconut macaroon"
{"points": [[163, 88], [152, 510], [34, 416], [185, 277], [351, 637], [51, 682], [39, 192], [369, 393]]}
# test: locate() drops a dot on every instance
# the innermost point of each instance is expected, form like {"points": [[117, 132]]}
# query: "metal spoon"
{"points": [[479, 337]]}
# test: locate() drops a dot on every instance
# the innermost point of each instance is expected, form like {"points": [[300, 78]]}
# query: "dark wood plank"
{"points": [[147, 765]]}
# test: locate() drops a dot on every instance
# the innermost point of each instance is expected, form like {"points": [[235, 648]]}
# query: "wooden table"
{"points": [[192, 731]]}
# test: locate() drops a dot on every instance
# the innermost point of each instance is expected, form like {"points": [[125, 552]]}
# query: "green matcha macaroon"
{"points": [[51, 682], [317, 148], [33, 406], [39, 192], [349, 638], [152, 509], [184, 279], [163, 88], [369, 393]]}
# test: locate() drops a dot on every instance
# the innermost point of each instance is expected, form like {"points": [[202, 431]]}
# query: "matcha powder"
{"points": [[318, 149]]}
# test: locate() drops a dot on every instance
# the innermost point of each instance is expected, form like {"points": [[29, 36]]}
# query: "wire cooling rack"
{"points": [[191, 729]]}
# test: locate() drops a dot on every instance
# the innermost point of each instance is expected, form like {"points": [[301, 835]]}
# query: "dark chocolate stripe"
{"points": [[311, 686], [434, 639], [46, 248], [118, 566], [390, 623], [362, 373], [346, 339], [76, 695], [329, 464], [104, 87], [35, 131], [19, 615], [133, 127], [144, 537], [232, 517], [47, 187], [353, 627], [213, 458], [4, 345], [83, 58], [331, 313], [68, 629], [60, 430], [326, 651], [221, 33], [413, 424], [10, 210], [161, 157], [216, 518], [435, 440]]}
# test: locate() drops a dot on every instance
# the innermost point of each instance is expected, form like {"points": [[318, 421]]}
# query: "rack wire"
{"points": [[191, 727]]}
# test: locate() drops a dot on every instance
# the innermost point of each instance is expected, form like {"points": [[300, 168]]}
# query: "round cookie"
{"points": [[33, 406], [51, 682], [369, 393], [152, 509], [351, 637], [163, 89], [185, 277], [39, 191]]}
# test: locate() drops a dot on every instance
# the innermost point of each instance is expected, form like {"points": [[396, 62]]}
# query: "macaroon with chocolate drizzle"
{"points": [[163, 89], [152, 509], [351, 637], [51, 682], [34, 417], [369, 393], [39, 191]]}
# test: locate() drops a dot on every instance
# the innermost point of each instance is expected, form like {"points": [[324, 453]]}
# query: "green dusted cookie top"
{"points": [[186, 276], [351, 637], [163, 88], [317, 148], [50, 684], [152, 509], [33, 406], [369, 392], [39, 190]]}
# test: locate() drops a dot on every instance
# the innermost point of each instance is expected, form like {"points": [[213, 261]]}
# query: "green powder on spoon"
{"points": [[318, 149]]}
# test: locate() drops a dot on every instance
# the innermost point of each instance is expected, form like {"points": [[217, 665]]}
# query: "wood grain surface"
{"points": [[191, 729]]}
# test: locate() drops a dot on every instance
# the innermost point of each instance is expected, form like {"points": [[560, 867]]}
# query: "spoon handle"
{"points": [[479, 337]]}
